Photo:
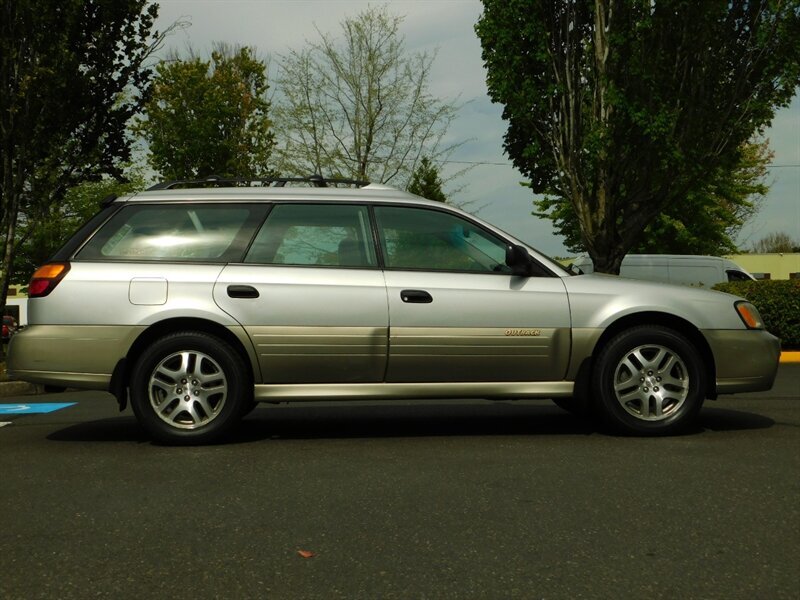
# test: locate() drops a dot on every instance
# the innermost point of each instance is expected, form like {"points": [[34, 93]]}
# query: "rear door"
{"points": [[311, 296], [457, 313]]}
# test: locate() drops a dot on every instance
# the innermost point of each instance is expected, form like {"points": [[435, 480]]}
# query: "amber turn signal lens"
{"points": [[749, 314], [50, 271]]}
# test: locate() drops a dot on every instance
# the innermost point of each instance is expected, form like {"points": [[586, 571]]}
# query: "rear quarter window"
{"points": [[180, 232]]}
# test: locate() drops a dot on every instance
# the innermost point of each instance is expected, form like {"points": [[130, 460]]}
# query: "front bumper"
{"points": [[745, 360]]}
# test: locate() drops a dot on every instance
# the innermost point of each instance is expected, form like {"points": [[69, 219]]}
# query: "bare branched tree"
{"points": [[359, 106]]}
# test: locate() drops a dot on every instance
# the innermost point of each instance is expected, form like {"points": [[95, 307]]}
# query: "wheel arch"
{"points": [[678, 324], [120, 379]]}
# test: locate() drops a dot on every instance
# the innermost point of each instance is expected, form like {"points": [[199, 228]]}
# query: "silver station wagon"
{"points": [[197, 301]]}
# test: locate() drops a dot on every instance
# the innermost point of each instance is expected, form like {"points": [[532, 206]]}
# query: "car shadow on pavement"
{"points": [[390, 420], [725, 419], [113, 429], [497, 419], [420, 420]]}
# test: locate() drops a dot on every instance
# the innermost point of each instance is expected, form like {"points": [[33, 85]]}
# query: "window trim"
{"points": [[78, 241]]}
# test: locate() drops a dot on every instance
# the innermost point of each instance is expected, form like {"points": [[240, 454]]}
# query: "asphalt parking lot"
{"points": [[402, 500]]}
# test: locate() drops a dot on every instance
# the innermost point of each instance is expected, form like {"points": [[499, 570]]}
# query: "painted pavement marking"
{"points": [[34, 408]]}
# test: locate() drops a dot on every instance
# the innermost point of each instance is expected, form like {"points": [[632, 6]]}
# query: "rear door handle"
{"points": [[242, 291], [416, 296]]}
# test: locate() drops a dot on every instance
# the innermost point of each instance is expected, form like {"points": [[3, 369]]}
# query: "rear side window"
{"points": [[179, 232], [323, 235]]}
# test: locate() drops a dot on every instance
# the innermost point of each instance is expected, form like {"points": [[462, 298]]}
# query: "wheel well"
{"points": [[120, 378], [678, 324]]}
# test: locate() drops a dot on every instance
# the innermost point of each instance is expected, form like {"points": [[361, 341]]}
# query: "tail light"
{"points": [[46, 278]]}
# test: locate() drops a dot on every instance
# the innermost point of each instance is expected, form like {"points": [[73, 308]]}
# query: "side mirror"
{"points": [[519, 260]]}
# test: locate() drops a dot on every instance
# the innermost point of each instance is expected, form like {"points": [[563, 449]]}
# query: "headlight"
{"points": [[749, 314]]}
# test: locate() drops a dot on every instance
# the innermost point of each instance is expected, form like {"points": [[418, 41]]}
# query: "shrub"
{"points": [[777, 301]]}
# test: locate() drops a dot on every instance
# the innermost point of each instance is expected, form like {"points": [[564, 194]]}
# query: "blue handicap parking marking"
{"points": [[33, 408]]}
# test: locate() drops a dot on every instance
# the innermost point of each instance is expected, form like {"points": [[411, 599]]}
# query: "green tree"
{"points": [[360, 107], [209, 117], [72, 73], [425, 181], [626, 108], [704, 222]]}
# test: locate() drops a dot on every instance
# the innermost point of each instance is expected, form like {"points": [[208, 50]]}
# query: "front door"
{"points": [[456, 311]]}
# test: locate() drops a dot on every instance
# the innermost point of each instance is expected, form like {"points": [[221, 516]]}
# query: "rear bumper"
{"points": [[81, 356], [746, 360]]}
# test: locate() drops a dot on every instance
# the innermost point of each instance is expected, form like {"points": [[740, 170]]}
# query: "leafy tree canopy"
{"points": [[72, 73], [209, 117], [704, 222], [627, 108]]}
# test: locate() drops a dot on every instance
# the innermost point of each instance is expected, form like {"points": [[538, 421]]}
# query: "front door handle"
{"points": [[242, 291], [416, 296]]}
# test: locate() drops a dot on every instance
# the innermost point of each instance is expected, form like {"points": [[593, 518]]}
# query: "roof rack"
{"points": [[216, 181]]}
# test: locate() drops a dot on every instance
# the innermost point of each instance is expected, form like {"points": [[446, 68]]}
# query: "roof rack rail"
{"points": [[216, 181]]}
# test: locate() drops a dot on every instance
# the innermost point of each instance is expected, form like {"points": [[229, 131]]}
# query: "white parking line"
{"points": [[4, 423]]}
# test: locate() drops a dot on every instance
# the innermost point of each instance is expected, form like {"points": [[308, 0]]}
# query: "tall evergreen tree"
{"points": [[426, 182]]}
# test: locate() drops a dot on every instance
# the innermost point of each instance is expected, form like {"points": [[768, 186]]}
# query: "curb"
{"points": [[790, 357], [19, 388]]}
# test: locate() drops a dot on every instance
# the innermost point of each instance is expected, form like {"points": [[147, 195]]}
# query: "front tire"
{"points": [[649, 380], [189, 388]]}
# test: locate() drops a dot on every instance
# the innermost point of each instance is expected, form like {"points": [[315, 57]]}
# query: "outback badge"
{"points": [[528, 332]]}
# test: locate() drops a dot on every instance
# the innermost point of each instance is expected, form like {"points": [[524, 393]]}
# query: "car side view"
{"points": [[196, 300]]}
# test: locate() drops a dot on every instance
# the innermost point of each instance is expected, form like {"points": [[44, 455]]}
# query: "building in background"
{"points": [[770, 266]]}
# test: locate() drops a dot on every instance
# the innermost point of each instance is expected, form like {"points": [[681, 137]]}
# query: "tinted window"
{"points": [[193, 233], [431, 240], [734, 275], [324, 235]]}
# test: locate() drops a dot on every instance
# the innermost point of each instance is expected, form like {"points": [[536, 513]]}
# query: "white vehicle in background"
{"points": [[682, 269]]}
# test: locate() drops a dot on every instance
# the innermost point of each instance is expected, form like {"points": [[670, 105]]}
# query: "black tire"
{"points": [[189, 387], [649, 380]]}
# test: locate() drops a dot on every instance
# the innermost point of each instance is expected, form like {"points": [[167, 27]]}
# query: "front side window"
{"points": [[734, 275], [431, 240], [324, 235], [178, 232]]}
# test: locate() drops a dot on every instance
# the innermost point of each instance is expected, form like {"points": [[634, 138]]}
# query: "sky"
{"points": [[491, 188]]}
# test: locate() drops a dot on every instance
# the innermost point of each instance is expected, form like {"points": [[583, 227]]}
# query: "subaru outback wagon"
{"points": [[197, 301]]}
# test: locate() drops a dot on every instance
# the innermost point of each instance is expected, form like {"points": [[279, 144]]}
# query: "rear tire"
{"points": [[189, 387], [649, 380]]}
